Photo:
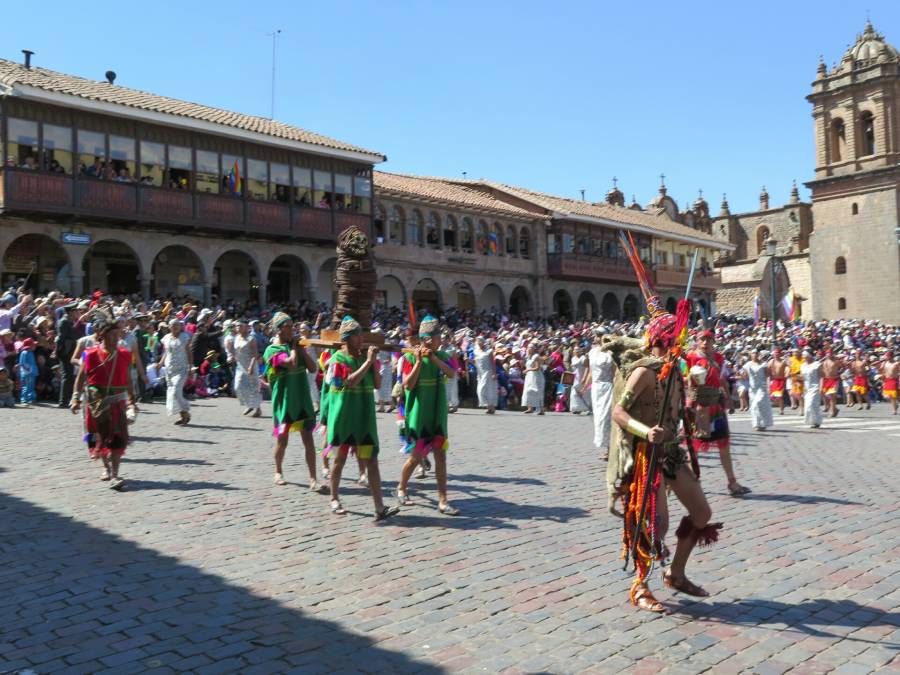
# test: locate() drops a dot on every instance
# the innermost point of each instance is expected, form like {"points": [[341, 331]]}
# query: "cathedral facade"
{"points": [[855, 245]]}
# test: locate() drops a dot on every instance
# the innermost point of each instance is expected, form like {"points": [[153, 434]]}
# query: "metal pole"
{"points": [[274, 35], [774, 313]]}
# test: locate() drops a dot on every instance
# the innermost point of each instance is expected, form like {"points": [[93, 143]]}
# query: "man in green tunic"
{"points": [[287, 364], [425, 372], [352, 379]]}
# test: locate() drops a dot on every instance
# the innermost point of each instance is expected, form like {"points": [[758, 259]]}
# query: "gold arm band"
{"points": [[637, 428], [626, 399]]}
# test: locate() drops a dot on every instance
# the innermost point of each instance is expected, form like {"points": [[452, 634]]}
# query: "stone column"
{"points": [[207, 293], [76, 282], [145, 286], [312, 292], [262, 294]]}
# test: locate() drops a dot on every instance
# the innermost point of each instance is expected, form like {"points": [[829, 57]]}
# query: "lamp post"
{"points": [[771, 248]]}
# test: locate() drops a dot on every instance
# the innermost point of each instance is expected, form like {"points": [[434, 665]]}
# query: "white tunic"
{"points": [[386, 367], [533, 392], [812, 392], [760, 404], [452, 383], [579, 402], [246, 374], [603, 370], [177, 369], [487, 384]]}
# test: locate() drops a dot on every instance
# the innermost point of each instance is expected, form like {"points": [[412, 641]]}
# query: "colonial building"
{"points": [[749, 271], [483, 244], [108, 187], [855, 248], [446, 244]]}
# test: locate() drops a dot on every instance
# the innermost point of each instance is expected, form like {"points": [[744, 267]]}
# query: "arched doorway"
{"points": [[288, 279], [562, 304], [235, 278], [671, 305], [519, 301], [427, 295], [704, 309], [491, 299], [389, 292], [462, 297], [610, 307], [40, 260], [327, 290], [587, 306], [631, 308], [177, 271], [112, 266]]}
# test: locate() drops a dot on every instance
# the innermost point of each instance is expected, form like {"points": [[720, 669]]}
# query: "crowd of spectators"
{"points": [[42, 336]]}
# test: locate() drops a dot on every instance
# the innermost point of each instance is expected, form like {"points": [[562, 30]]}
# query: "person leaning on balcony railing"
{"points": [[29, 163]]}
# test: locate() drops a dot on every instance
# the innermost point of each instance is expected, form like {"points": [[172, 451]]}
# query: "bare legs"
{"points": [[440, 474], [370, 466], [280, 448], [687, 488], [734, 487]]}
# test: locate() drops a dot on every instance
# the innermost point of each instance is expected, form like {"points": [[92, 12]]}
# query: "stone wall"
{"points": [[868, 243]]}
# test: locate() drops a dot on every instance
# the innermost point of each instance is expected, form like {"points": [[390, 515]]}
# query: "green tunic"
{"points": [[426, 406], [292, 407], [350, 411]]}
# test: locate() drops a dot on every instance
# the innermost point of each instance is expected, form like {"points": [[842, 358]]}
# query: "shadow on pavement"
{"points": [[163, 439], [812, 617], [192, 425], [162, 461], [799, 499], [72, 593], [134, 484], [479, 513], [475, 478]]}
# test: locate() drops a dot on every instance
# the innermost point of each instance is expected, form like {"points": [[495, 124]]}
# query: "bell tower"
{"points": [[857, 183]]}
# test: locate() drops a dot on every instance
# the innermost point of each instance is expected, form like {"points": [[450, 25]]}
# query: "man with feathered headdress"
{"points": [[105, 376], [650, 424], [425, 424]]}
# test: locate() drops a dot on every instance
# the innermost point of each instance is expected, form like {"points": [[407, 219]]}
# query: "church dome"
{"points": [[869, 49]]}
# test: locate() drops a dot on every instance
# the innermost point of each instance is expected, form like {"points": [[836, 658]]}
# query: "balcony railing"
{"points": [[677, 277], [31, 192], [578, 266]]}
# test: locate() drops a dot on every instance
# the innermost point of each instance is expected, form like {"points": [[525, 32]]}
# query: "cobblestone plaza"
{"points": [[202, 565]]}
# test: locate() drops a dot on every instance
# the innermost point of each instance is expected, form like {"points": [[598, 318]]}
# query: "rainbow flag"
{"points": [[493, 244], [234, 178], [789, 305]]}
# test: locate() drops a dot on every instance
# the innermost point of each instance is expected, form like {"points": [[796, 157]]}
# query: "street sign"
{"points": [[82, 238]]}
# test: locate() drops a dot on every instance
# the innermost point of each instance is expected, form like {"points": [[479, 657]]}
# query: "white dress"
{"points": [[177, 369], [533, 392], [487, 385], [452, 383], [760, 404], [579, 402], [246, 374], [386, 367], [603, 371], [812, 392], [314, 354]]}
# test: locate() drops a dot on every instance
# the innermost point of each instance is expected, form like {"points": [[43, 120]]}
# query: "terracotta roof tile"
{"points": [[12, 74], [448, 192], [562, 205]]}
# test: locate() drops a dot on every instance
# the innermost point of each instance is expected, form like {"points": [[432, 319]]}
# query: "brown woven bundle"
{"points": [[355, 279]]}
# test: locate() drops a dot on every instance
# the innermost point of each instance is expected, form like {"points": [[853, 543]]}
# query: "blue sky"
{"points": [[551, 96]]}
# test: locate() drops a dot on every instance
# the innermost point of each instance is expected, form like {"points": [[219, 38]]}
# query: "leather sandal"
{"points": [[645, 600], [684, 585]]}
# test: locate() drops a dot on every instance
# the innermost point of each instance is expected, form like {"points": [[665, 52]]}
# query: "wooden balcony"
{"points": [[581, 267], [36, 194], [673, 277]]}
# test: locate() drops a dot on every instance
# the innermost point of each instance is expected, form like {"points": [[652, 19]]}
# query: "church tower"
{"points": [[854, 250]]}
